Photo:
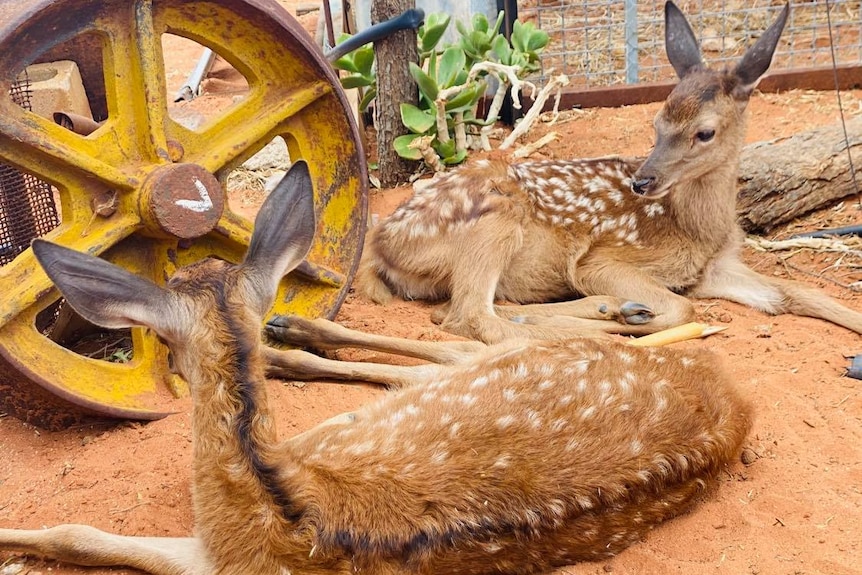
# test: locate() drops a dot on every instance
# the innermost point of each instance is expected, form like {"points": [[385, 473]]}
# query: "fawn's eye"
{"points": [[705, 135]]}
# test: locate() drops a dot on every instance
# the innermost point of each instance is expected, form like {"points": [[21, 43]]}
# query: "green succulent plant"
{"points": [[449, 80]]}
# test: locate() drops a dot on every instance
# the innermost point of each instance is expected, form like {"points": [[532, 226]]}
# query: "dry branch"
{"points": [[783, 179]]}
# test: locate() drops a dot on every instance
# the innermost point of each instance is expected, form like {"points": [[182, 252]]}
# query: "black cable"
{"points": [[840, 106]]}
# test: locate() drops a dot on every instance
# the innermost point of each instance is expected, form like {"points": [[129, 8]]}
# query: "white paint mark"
{"points": [[200, 206]]}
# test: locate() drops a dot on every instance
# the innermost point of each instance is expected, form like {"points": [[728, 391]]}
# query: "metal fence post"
{"points": [[631, 20]]}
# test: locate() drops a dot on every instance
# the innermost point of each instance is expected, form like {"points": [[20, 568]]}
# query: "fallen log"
{"points": [[786, 178]]}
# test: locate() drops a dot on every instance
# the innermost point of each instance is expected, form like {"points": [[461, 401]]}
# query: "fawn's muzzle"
{"points": [[643, 186]]}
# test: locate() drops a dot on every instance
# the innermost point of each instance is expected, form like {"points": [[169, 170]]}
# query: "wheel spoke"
{"points": [[233, 229], [249, 125], [135, 81], [45, 149]]}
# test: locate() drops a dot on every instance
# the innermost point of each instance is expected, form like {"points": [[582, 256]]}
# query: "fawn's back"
{"points": [[542, 455]]}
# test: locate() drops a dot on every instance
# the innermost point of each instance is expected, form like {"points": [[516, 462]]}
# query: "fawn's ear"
{"points": [[101, 292], [680, 43], [283, 233], [756, 60]]}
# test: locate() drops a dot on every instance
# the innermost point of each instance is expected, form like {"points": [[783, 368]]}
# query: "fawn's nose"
{"points": [[643, 185]]}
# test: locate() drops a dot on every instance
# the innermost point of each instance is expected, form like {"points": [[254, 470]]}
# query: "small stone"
{"points": [[763, 330], [748, 456], [273, 156]]}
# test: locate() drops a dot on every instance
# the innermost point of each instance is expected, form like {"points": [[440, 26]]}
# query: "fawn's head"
{"points": [[209, 302], [701, 126]]}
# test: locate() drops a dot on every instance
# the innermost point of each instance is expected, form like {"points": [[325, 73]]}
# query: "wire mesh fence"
{"points": [[27, 208], [600, 43]]}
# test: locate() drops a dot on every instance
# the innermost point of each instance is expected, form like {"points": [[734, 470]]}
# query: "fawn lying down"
{"points": [[506, 459], [632, 237]]}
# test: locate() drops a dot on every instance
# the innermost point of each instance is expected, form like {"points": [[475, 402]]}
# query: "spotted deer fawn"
{"points": [[512, 458], [630, 238]]}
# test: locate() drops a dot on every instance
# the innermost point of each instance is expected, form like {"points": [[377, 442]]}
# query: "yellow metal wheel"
{"points": [[162, 181]]}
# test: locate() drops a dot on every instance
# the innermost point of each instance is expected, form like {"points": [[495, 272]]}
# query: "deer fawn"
{"points": [[630, 238], [506, 459]]}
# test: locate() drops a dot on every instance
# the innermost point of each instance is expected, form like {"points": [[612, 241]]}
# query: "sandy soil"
{"points": [[796, 509]]}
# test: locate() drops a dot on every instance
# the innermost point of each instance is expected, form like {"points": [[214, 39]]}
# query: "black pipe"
{"points": [[845, 231], [412, 18], [508, 113]]}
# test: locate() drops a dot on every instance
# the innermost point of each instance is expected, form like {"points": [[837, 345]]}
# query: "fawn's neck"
{"points": [[705, 208], [236, 481]]}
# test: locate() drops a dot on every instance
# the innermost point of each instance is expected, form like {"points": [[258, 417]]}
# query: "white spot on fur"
{"points": [[360, 448], [577, 367], [653, 210], [604, 389], [520, 371], [481, 381], [505, 421], [625, 383], [509, 394], [557, 507], [636, 446], [439, 457], [468, 399], [503, 461], [453, 431]]}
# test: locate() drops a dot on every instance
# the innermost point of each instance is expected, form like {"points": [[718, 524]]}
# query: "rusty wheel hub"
{"points": [[181, 200]]}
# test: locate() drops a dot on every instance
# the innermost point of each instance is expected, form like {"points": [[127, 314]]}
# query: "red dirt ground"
{"points": [[796, 509]]}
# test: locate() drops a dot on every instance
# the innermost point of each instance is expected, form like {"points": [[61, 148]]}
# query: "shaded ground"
{"points": [[797, 509]]}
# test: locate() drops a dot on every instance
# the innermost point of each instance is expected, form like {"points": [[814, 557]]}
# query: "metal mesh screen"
{"points": [[602, 43], [27, 208]]}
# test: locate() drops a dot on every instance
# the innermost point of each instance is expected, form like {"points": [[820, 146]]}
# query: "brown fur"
{"points": [[508, 459], [538, 232]]}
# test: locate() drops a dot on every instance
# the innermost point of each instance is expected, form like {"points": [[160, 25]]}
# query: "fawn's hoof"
{"points": [[283, 328], [634, 313]]}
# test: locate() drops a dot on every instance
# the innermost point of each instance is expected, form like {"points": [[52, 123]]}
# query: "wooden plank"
{"points": [[823, 78]]}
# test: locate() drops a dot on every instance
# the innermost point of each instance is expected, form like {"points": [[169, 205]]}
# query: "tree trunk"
{"points": [[784, 179], [394, 86]]}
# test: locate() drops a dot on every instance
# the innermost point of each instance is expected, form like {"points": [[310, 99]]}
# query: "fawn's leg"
{"points": [[475, 273], [606, 308], [728, 278], [294, 364], [597, 276], [324, 334], [84, 545]]}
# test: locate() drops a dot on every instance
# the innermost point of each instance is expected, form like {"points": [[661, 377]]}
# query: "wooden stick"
{"points": [[683, 332]]}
